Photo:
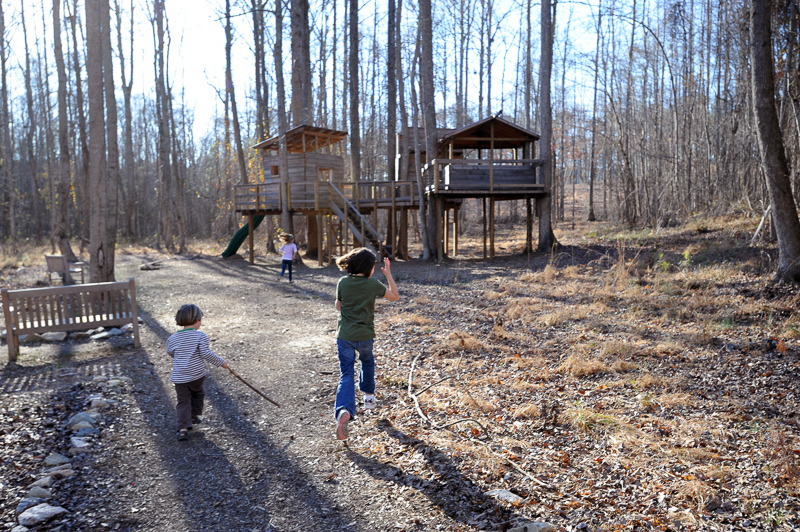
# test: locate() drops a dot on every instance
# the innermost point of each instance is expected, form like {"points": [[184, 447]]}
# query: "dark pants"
{"points": [[190, 401], [286, 263]]}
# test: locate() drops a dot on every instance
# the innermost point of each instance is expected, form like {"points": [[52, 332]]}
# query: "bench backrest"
{"points": [[69, 308], [56, 263]]}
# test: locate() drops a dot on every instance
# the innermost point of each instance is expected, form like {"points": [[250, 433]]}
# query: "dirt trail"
{"points": [[249, 466]]}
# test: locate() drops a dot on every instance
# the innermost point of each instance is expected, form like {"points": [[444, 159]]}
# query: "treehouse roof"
{"points": [[304, 139], [481, 134]]}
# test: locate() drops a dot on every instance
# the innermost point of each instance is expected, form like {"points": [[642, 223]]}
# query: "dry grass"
{"points": [[579, 365], [411, 320], [464, 341], [526, 412]]}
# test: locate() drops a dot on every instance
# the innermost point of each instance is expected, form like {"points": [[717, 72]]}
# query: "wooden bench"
{"points": [[68, 308], [58, 264]]}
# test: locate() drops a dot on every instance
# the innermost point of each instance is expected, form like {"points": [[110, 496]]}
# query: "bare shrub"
{"points": [[526, 412], [579, 365], [623, 366]]}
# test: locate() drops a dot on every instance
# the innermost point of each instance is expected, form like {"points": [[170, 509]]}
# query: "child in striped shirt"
{"points": [[188, 348]]}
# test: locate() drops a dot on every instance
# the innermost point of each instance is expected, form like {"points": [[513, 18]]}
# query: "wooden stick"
{"points": [[253, 388]]}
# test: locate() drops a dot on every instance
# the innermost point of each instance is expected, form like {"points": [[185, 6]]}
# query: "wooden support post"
{"points": [[320, 239], [402, 240], [250, 237], [528, 225], [455, 232], [446, 229], [393, 219], [439, 228], [483, 201], [491, 226]]}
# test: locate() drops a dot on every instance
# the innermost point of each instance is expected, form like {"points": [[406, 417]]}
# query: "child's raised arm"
{"points": [[392, 294]]}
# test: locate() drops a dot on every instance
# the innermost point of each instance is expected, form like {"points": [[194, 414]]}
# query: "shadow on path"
{"points": [[457, 496]]}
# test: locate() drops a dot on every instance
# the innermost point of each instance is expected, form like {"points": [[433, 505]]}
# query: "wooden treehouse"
{"points": [[316, 188], [493, 160]]}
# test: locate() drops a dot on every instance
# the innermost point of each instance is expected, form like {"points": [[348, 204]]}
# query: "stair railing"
{"points": [[369, 236]]}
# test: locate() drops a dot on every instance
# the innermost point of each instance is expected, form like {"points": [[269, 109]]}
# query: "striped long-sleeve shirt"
{"points": [[188, 348]]}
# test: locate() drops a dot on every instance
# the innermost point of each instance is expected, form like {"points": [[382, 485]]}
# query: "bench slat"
{"points": [[68, 308]]}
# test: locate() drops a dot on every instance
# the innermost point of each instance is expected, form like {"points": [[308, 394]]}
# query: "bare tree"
{"points": [[429, 118], [98, 197], [355, 132], [82, 182], [547, 240], [162, 116], [770, 142], [61, 210], [128, 188], [5, 136], [283, 147], [32, 166]]}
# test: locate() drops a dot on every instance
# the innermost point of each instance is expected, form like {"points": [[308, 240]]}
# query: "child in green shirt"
{"points": [[355, 330]]}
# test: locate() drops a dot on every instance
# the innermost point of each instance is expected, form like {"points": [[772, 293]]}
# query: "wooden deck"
{"points": [[315, 198], [501, 179]]}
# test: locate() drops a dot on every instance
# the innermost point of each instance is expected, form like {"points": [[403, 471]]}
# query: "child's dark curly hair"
{"points": [[360, 261], [188, 314]]}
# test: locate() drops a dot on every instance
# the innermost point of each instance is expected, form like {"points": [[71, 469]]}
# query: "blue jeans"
{"points": [[346, 391], [286, 263]]}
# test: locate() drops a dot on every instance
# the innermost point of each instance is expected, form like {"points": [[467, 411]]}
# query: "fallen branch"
{"points": [[415, 398], [155, 265], [253, 388]]}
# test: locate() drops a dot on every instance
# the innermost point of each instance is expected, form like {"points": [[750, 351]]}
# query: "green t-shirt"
{"points": [[357, 315]]}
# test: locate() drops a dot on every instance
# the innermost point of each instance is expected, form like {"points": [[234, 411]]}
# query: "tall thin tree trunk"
{"points": [[162, 116], [5, 136], [429, 117], [547, 240], [112, 146], [61, 210], [355, 132], [128, 188], [283, 148], [98, 196], [37, 214], [83, 177], [770, 142]]}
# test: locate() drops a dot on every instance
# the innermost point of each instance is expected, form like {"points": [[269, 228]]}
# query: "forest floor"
{"points": [[627, 381]]}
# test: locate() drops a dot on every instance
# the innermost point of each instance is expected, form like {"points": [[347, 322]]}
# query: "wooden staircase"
{"points": [[358, 224]]}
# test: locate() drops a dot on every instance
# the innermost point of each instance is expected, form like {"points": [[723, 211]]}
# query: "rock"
{"points": [[99, 378], [79, 443], [505, 496], [54, 336], [39, 514], [28, 502], [56, 459], [81, 425], [100, 336], [81, 416], [3, 334], [20, 528], [114, 332], [98, 404], [39, 493], [44, 482], [128, 327], [30, 339], [79, 335], [538, 526], [84, 432], [95, 331], [61, 467], [61, 473]]}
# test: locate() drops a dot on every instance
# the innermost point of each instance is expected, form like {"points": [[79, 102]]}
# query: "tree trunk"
{"points": [[37, 215], [391, 89], [286, 216], [82, 188], [547, 240], [429, 118], [770, 142], [5, 135], [61, 210], [162, 116], [355, 132], [129, 187], [98, 196], [112, 169]]}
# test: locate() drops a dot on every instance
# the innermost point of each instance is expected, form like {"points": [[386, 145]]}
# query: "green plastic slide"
{"points": [[240, 237]]}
